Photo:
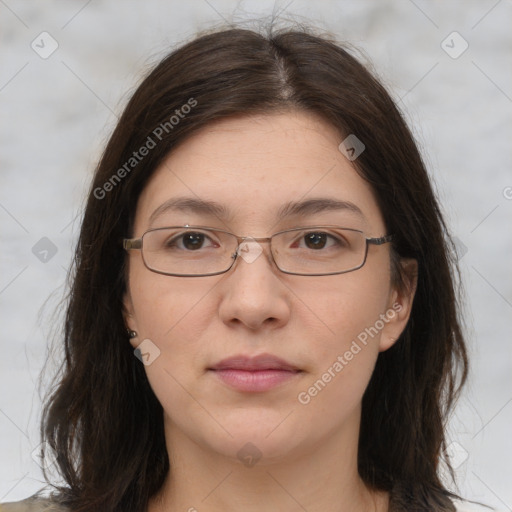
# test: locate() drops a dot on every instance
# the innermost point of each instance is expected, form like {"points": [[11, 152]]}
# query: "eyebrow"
{"points": [[317, 205], [292, 208], [191, 204]]}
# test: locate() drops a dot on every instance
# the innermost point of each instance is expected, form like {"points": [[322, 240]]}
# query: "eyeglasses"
{"points": [[195, 251]]}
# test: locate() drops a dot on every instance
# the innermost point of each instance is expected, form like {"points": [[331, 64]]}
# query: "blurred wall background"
{"points": [[66, 71]]}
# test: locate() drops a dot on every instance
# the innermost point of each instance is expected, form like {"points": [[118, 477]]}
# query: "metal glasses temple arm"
{"points": [[132, 243], [381, 240]]}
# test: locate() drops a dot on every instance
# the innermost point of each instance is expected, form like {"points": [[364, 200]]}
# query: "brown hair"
{"points": [[104, 422]]}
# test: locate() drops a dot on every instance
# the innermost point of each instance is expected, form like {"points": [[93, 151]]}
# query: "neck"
{"points": [[322, 478]]}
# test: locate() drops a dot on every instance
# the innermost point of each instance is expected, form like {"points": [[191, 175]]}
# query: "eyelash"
{"points": [[172, 241]]}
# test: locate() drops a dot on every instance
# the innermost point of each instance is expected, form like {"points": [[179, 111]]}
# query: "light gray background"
{"points": [[58, 112]]}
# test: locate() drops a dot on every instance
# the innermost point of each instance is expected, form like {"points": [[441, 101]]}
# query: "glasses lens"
{"points": [[188, 251], [319, 250], [198, 251]]}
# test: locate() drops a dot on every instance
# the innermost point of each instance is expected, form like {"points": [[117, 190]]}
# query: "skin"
{"points": [[252, 166]]}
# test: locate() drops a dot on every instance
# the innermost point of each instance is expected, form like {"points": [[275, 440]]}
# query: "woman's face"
{"points": [[329, 329]]}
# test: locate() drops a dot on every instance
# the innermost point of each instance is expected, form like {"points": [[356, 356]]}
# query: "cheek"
{"points": [[335, 393], [344, 306], [346, 320], [176, 316], [166, 307], [344, 361]]}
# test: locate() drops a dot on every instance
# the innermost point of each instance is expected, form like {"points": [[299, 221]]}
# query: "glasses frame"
{"points": [[137, 244]]}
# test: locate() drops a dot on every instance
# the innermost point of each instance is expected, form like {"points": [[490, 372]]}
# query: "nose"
{"points": [[253, 293]]}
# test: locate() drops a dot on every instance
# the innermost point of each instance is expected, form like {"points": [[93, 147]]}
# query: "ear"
{"points": [[400, 304], [129, 317]]}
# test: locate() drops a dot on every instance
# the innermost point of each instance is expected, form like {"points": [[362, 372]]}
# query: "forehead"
{"points": [[255, 167]]}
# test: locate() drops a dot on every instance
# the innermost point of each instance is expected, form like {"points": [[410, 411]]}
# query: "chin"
{"points": [[258, 442]]}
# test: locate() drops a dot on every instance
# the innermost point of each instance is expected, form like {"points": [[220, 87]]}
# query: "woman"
{"points": [[263, 313]]}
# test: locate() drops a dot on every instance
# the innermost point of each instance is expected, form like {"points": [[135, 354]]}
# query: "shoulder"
{"points": [[33, 505]]}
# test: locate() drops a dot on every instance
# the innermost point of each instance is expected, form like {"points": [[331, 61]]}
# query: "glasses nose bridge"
{"points": [[267, 239], [242, 239]]}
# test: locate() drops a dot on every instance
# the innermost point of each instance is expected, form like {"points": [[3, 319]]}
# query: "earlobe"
{"points": [[129, 320], [386, 343]]}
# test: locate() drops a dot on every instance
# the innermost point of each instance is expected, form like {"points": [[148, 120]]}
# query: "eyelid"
{"points": [[208, 233], [302, 234], [318, 228]]}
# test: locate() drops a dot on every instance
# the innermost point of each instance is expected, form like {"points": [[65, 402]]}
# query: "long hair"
{"points": [[103, 421]]}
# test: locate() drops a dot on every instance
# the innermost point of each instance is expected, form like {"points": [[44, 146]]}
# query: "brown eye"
{"points": [[316, 240], [193, 241], [189, 241]]}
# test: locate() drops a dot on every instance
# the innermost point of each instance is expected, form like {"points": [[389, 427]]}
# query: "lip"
{"points": [[255, 374], [254, 363]]}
